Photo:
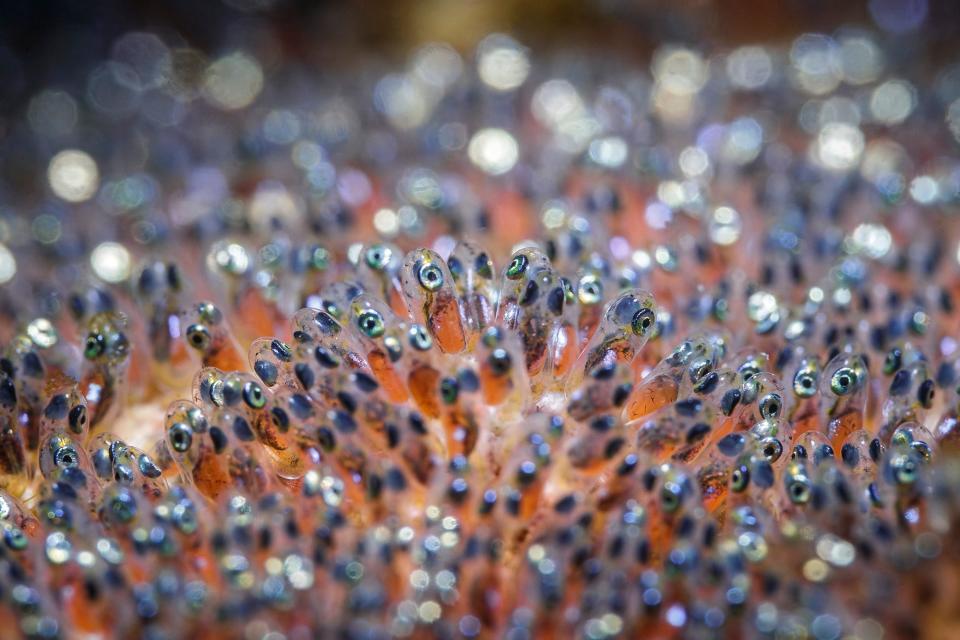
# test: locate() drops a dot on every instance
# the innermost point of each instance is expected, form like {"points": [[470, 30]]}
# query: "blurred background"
{"points": [[53, 42]]}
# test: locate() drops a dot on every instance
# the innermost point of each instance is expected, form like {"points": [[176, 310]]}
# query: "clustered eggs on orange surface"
{"points": [[505, 354]]}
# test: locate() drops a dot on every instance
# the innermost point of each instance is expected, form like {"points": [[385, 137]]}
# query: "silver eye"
{"points": [[198, 336], [430, 276], [772, 449], [805, 381], [671, 496], [253, 395], [798, 484], [181, 437], [771, 405], [590, 290], [642, 321], [378, 257], [66, 457], [370, 323], [844, 381], [419, 338]]}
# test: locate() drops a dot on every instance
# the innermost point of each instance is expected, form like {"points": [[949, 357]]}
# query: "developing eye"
{"points": [[430, 277], [518, 266], [844, 381]]}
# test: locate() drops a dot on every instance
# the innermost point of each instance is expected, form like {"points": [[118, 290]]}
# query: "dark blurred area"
{"points": [[54, 42]]}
